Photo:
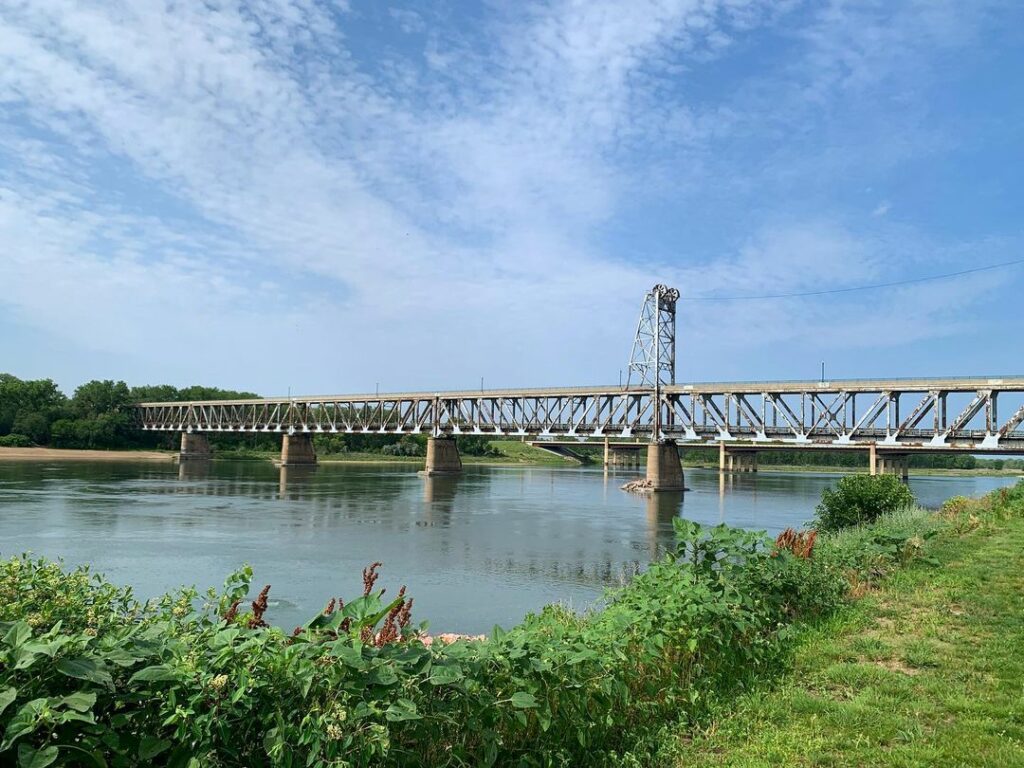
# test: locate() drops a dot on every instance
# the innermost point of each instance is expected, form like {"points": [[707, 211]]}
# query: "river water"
{"points": [[475, 550]]}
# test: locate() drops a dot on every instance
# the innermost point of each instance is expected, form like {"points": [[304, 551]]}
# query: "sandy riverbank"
{"points": [[72, 454]]}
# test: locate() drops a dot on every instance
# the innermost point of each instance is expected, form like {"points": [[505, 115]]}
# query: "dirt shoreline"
{"points": [[76, 454]]}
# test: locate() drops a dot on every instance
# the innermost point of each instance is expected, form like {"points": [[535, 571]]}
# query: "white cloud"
{"points": [[419, 222]]}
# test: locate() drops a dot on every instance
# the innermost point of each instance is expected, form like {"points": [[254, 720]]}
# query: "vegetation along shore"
{"points": [[673, 662]]}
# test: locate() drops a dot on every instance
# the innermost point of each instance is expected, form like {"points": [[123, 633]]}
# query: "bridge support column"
{"points": [[893, 464], [442, 457], [664, 470], [736, 461], [620, 457], [194, 446], [297, 450]]}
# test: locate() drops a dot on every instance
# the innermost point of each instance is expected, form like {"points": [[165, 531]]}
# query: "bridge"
{"points": [[888, 418]]}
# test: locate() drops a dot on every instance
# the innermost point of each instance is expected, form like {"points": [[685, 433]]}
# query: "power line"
{"points": [[855, 288]]}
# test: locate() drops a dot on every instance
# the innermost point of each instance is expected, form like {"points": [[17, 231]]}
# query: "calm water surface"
{"points": [[483, 548]]}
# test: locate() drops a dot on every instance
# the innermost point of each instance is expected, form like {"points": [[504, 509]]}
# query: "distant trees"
{"points": [[29, 407], [36, 412]]}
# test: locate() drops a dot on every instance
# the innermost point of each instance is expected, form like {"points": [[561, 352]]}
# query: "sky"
{"points": [[332, 197]]}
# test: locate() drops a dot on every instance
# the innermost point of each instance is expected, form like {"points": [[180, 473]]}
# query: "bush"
{"points": [[859, 499], [15, 441]]}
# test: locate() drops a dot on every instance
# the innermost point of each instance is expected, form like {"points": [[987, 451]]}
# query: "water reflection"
{"points": [[194, 469], [476, 549], [662, 509], [439, 498], [299, 478]]}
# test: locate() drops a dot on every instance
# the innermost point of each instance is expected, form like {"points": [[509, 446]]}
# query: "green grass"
{"points": [[510, 452], [516, 452], [926, 671]]}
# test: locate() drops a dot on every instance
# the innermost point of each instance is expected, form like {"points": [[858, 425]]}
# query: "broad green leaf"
{"points": [[18, 634], [402, 709], [150, 747], [523, 700], [47, 648], [70, 715], [25, 721], [382, 676], [155, 673], [445, 675], [30, 757], [80, 701], [122, 657], [7, 695], [94, 759], [84, 668]]}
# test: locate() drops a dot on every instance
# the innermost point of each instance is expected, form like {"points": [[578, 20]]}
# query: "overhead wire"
{"points": [[876, 286]]}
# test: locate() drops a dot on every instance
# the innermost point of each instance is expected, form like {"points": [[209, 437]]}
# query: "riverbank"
{"points": [[509, 452], [77, 454], [925, 670]]}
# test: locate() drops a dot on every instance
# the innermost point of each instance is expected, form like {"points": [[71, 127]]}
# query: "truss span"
{"points": [[969, 414]]}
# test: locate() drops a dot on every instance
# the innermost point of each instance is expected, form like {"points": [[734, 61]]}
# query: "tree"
{"points": [[96, 397], [22, 398], [34, 425]]}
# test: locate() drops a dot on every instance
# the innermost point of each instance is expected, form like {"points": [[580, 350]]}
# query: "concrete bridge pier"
{"points": [[617, 456], [736, 461], [442, 457], [297, 450], [664, 470], [194, 446], [892, 464]]}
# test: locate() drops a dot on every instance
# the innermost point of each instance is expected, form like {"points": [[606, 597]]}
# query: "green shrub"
{"points": [[859, 499], [15, 441]]}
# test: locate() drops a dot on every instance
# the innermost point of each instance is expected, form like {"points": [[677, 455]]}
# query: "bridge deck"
{"points": [[966, 413]]}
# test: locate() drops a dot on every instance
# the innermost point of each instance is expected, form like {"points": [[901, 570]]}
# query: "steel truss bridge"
{"points": [[978, 415]]}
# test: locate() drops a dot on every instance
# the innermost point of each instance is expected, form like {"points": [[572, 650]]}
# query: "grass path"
{"points": [[928, 671]]}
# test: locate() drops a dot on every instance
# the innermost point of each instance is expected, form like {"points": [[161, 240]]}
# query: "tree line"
{"points": [[36, 412]]}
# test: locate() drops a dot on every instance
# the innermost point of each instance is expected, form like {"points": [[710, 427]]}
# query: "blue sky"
{"points": [[327, 196]]}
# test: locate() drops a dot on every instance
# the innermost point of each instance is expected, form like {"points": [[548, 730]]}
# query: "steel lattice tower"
{"points": [[652, 362]]}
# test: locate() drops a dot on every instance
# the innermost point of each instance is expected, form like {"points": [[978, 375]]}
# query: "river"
{"points": [[479, 549]]}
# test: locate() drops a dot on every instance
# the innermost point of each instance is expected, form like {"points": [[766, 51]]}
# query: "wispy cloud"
{"points": [[221, 191]]}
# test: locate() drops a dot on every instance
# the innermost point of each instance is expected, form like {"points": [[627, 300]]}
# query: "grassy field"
{"points": [[926, 671]]}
